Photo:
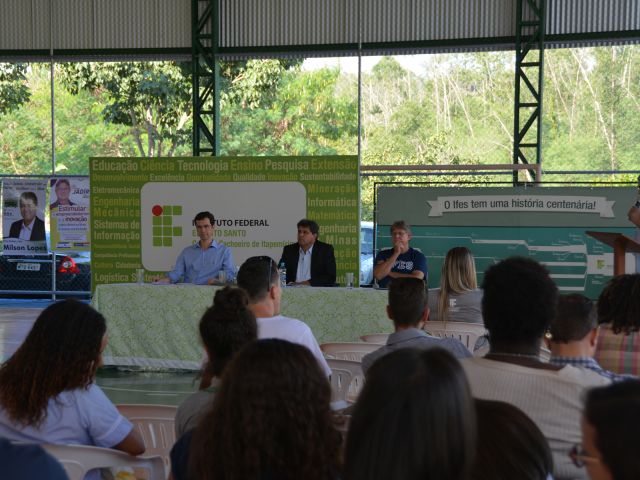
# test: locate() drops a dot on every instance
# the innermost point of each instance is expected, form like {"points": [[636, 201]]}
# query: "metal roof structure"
{"points": [[70, 28]]}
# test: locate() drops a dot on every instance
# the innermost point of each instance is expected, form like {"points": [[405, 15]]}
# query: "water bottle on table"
{"points": [[282, 271]]}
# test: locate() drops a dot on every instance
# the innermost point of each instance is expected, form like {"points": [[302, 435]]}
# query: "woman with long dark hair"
{"points": [[225, 327], [510, 445], [414, 418], [47, 389], [270, 420]]}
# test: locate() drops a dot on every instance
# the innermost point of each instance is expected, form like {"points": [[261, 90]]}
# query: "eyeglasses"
{"points": [[270, 261], [579, 456]]}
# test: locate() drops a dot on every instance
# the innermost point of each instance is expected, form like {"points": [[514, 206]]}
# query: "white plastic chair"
{"points": [[467, 333], [380, 338], [346, 379], [77, 460], [348, 350], [156, 425]]}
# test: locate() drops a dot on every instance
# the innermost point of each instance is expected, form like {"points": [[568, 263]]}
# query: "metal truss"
{"points": [[530, 23], [206, 77]]}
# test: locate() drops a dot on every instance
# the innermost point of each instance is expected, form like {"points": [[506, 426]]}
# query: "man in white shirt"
{"points": [[258, 276], [518, 305]]}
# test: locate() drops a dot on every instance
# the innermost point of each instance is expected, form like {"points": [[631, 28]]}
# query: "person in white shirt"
{"points": [[47, 389], [258, 276], [518, 305]]}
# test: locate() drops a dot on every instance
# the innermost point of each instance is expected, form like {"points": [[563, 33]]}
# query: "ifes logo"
{"points": [[163, 229]]}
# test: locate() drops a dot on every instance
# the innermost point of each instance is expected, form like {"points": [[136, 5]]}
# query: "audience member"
{"points": [[458, 299], [618, 346], [610, 426], [270, 420], [574, 335], [224, 328], [47, 394], [28, 462], [309, 261], [518, 305], [414, 419], [510, 446], [401, 260], [408, 310], [258, 276], [204, 261]]}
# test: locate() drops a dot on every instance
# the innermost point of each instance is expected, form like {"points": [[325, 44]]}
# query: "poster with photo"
{"points": [[23, 216], [69, 213]]}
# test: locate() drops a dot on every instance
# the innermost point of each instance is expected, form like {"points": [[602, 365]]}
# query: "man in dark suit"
{"points": [[309, 261], [30, 227]]}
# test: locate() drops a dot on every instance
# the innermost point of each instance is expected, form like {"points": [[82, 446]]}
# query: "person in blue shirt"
{"points": [[26, 462], [202, 262], [401, 260]]}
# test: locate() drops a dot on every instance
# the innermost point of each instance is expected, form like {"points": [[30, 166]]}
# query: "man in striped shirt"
{"points": [[574, 334]]}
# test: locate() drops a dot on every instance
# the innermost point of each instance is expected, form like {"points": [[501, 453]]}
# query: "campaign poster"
{"points": [[24, 201], [69, 214]]}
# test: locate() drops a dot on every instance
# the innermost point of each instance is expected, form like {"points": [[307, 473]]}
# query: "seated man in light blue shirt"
{"points": [[202, 262]]}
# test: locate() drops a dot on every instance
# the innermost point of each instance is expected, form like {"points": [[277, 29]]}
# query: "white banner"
{"points": [[23, 216], [250, 217], [521, 203], [69, 210]]}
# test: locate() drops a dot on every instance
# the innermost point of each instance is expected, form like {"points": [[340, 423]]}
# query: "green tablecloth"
{"points": [[156, 326]]}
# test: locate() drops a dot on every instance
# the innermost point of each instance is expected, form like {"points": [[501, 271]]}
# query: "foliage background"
{"points": [[452, 109]]}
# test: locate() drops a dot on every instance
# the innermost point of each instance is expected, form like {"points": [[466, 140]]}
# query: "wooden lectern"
{"points": [[620, 243]]}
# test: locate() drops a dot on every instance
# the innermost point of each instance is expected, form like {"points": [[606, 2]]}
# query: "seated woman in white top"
{"points": [[47, 394], [458, 299]]}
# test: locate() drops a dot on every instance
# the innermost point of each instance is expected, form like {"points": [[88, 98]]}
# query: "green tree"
{"points": [[25, 132], [153, 99], [14, 90], [304, 113]]}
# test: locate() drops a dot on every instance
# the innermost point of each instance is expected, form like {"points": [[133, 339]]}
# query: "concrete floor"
{"points": [[15, 323], [166, 388]]}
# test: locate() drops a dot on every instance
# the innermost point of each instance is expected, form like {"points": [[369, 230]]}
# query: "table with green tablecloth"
{"points": [[156, 326]]}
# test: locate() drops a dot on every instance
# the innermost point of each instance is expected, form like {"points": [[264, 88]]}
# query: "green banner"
{"points": [[547, 224], [142, 209]]}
